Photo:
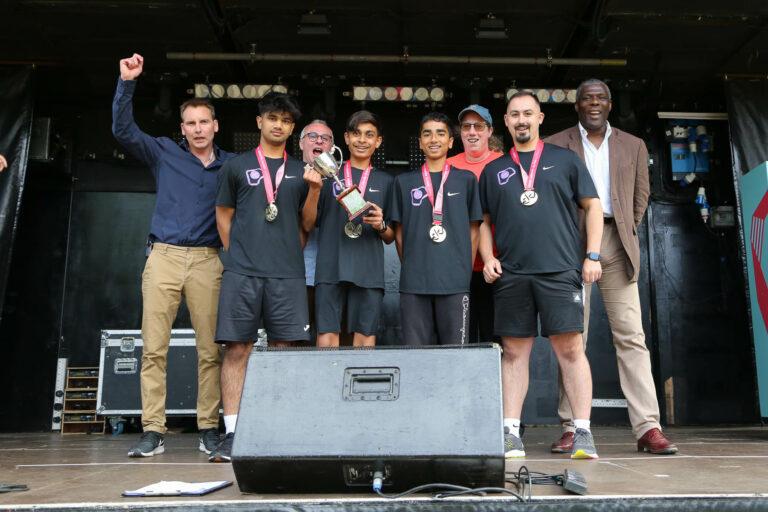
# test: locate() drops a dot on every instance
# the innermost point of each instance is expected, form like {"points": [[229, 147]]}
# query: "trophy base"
{"points": [[353, 202]]}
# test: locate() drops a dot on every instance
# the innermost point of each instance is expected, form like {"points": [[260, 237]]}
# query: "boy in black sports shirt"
{"points": [[264, 198], [436, 212], [350, 259]]}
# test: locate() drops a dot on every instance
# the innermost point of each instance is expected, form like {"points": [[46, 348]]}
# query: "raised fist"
{"points": [[131, 67]]}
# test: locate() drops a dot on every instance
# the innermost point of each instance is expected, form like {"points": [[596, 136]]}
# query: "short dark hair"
{"points": [[196, 102], [279, 102], [591, 81], [438, 117], [361, 117], [523, 94]]}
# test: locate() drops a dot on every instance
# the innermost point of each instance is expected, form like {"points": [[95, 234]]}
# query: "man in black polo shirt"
{"points": [[350, 257], [532, 197], [436, 212], [260, 210]]}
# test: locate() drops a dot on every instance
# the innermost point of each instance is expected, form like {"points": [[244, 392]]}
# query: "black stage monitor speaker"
{"points": [[325, 420]]}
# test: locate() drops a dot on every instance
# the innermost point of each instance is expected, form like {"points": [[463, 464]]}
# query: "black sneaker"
{"points": [[151, 443], [209, 440], [223, 452]]}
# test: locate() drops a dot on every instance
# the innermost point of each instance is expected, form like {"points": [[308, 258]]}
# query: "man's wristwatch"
{"points": [[383, 227], [593, 256]]}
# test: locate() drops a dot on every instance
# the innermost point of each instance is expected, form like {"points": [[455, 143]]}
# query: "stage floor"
{"points": [[83, 471]]}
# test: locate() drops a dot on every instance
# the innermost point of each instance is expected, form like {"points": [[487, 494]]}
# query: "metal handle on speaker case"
{"points": [[364, 384]]}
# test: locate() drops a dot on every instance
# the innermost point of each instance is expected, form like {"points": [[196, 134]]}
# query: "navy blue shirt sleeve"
{"points": [[142, 146], [483, 186]]}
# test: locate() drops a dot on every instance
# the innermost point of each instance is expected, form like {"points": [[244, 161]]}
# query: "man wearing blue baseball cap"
{"points": [[476, 126]]}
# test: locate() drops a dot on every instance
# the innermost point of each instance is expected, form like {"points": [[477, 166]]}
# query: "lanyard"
{"points": [[437, 202], [271, 192], [528, 179], [363, 177]]}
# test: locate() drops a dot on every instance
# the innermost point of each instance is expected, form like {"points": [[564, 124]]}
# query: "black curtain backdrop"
{"points": [[748, 120], [15, 129]]}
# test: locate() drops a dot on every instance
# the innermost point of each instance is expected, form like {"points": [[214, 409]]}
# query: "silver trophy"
{"points": [[350, 198]]}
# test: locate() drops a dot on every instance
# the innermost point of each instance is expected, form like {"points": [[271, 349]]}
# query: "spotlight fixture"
{"points": [[311, 24], [547, 95], [394, 93], [235, 91], [491, 27]]}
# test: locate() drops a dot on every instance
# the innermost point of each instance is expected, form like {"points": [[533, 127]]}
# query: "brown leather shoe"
{"points": [[656, 443], [564, 444]]}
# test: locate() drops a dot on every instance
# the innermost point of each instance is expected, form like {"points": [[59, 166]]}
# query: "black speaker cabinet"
{"points": [[324, 420]]}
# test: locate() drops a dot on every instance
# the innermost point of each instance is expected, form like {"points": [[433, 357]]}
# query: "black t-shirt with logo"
{"points": [[543, 237], [257, 247], [342, 259], [428, 267]]}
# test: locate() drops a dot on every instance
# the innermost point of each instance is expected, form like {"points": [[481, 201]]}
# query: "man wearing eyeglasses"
{"points": [[476, 130], [315, 139]]}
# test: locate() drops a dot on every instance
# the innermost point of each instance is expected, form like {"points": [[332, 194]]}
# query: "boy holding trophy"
{"points": [[351, 227]]}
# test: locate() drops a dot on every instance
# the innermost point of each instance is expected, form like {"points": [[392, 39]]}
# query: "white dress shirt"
{"points": [[598, 165]]}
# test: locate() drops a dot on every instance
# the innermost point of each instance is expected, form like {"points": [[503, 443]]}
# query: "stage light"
{"points": [[250, 92], [217, 91], [394, 93], [547, 95], [491, 28], [202, 91], [233, 91], [359, 93], [437, 94], [311, 24]]}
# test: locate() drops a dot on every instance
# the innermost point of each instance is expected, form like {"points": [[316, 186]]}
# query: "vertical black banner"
{"points": [[748, 120], [15, 130]]}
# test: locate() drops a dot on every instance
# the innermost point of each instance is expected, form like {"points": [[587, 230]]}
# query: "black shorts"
{"points": [[247, 302], [557, 299], [363, 307], [434, 319]]}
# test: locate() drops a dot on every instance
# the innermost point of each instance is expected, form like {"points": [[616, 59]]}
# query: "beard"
{"points": [[523, 138]]}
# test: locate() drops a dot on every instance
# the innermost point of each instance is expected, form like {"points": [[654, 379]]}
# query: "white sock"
{"points": [[583, 424], [513, 424], [230, 420]]}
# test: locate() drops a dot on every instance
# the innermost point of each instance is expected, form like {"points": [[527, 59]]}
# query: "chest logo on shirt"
{"points": [[254, 177], [336, 189], [505, 174], [418, 195]]}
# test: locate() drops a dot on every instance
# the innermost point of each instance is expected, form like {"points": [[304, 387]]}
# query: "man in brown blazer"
{"points": [[618, 163]]}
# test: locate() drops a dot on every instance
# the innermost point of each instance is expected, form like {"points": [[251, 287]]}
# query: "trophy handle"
{"points": [[340, 161]]}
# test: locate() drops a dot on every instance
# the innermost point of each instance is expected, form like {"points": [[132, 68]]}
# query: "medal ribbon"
{"points": [[437, 202], [363, 177], [528, 179], [271, 192]]}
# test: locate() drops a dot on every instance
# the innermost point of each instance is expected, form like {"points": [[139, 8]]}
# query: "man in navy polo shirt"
{"points": [[184, 257]]}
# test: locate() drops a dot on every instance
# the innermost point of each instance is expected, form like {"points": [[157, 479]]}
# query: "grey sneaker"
{"points": [[209, 440], [151, 443], [583, 445], [513, 445], [223, 452]]}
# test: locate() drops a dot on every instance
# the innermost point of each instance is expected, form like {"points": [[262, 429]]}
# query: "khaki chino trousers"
{"points": [[170, 273], [621, 298]]}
